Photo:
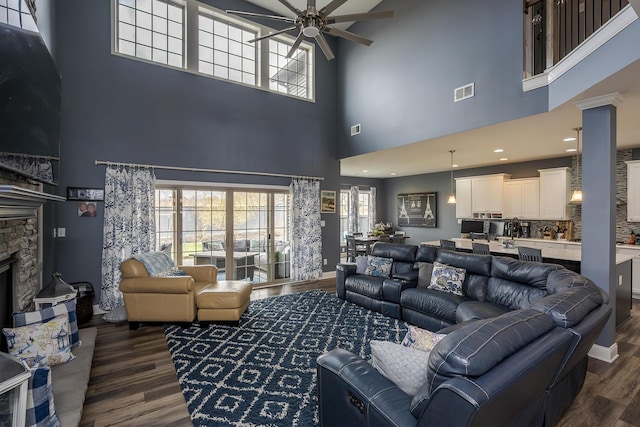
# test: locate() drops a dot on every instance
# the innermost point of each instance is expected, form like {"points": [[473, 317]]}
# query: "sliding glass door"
{"points": [[244, 233]]}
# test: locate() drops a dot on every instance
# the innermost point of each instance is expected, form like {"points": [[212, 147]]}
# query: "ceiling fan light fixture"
{"points": [[311, 31]]}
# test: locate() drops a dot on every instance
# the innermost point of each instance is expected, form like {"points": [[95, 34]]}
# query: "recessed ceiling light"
{"points": [[569, 150], [570, 139], [364, 171], [393, 174], [498, 150], [454, 166], [502, 159]]}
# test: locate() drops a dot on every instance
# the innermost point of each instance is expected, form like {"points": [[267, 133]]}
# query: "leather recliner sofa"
{"points": [[494, 287]]}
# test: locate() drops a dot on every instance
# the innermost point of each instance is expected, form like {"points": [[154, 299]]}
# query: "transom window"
{"points": [[16, 13], [224, 50], [151, 30], [200, 39]]}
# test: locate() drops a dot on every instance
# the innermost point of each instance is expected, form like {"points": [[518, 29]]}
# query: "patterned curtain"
{"points": [[353, 209], [129, 225], [372, 208], [306, 241]]}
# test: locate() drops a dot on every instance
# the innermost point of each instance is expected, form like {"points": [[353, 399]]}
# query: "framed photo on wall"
{"points": [[327, 201], [418, 210], [92, 194]]}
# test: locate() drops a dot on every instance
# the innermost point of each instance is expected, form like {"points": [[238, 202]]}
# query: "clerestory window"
{"points": [[198, 38]]}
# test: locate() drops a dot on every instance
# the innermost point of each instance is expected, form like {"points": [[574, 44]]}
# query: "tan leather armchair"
{"points": [[162, 299]]}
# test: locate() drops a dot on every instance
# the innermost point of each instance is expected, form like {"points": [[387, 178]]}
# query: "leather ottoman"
{"points": [[224, 301]]}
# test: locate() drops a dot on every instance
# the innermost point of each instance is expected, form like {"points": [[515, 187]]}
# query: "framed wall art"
{"points": [[417, 210], [92, 194], [327, 201]]}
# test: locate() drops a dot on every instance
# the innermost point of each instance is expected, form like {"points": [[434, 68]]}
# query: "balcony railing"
{"points": [[553, 28]]}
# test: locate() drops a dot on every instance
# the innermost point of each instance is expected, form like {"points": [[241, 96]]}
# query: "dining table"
{"points": [[368, 241]]}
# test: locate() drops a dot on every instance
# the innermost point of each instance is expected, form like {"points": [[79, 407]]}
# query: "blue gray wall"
{"points": [[119, 109], [401, 87]]}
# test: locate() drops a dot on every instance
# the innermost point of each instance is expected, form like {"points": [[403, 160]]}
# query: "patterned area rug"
{"points": [[263, 373]]}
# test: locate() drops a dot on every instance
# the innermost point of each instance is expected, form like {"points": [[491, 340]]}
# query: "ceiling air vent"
{"points": [[355, 129], [464, 92]]}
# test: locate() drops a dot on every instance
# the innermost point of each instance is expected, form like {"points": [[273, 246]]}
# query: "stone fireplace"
{"points": [[20, 248]]}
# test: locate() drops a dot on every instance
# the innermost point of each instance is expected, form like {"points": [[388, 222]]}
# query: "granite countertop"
{"points": [[561, 253]]}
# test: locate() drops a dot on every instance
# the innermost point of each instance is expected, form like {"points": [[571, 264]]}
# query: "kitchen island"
{"points": [[568, 255]]}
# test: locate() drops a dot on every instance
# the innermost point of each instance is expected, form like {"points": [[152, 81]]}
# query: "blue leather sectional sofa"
{"points": [[515, 352]]}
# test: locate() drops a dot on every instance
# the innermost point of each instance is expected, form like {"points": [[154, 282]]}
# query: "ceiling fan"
{"points": [[312, 23]]}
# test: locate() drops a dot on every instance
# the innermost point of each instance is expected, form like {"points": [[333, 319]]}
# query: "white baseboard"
{"points": [[606, 354]]}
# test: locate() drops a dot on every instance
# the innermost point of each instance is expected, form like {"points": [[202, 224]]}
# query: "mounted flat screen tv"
{"points": [[29, 105]]}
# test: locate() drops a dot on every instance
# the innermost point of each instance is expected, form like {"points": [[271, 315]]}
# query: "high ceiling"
{"points": [[530, 138]]}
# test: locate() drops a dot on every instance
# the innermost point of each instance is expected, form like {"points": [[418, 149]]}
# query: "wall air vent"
{"points": [[464, 92], [355, 129]]}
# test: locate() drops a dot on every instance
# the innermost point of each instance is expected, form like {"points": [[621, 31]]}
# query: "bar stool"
{"points": [[529, 254], [480, 248], [448, 244]]}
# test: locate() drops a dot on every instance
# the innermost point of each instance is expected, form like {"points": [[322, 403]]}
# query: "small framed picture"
{"points": [[88, 209], [93, 194], [327, 201]]}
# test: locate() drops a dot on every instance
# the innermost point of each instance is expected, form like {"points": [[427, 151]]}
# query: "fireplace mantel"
{"points": [[18, 203]]}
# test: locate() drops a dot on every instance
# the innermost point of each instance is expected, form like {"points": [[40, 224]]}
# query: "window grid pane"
{"points": [[17, 13], [151, 30], [288, 75], [233, 58]]}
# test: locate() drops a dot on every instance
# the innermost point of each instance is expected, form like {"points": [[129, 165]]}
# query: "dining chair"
{"points": [[352, 249], [399, 233], [480, 248], [529, 254], [448, 244], [385, 238], [399, 239]]}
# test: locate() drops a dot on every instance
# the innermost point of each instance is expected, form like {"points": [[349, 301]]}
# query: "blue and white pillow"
{"points": [[41, 410], [378, 266], [361, 264], [157, 263], [447, 278], [48, 313]]}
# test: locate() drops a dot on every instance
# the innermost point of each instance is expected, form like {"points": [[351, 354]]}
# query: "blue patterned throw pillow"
{"points": [[378, 266], [48, 313], [447, 278], [157, 263]]}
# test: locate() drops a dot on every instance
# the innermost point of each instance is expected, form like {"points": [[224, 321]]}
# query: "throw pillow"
{"points": [[447, 278], [39, 344], [421, 339], [48, 313], [117, 315], [425, 269], [406, 367], [41, 410], [378, 266], [157, 263], [361, 264]]}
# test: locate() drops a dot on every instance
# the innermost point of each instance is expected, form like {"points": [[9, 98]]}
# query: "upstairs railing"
{"points": [[553, 28]]}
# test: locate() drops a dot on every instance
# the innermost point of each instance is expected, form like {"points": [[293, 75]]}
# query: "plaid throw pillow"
{"points": [[48, 313], [41, 411]]}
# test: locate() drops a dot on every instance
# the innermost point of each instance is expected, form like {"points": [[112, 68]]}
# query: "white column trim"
{"points": [[615, 99], [606, 354]]}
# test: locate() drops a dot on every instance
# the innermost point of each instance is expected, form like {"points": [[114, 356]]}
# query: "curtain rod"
{"points": [[178, 168]]}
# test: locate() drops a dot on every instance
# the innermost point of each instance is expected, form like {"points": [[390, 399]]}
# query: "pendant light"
{"points": [[576, 197], [452, 196]]}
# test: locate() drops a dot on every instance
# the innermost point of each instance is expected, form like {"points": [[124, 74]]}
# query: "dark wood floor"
{"points": [[133, 381]]}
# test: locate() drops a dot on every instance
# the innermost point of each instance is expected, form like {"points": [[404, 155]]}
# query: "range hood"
{"points": [[19, 203]]}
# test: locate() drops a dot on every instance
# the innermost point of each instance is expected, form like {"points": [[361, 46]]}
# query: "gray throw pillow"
{"points": [[406, 367], [424, 274], [361, 264], [117, 315]]}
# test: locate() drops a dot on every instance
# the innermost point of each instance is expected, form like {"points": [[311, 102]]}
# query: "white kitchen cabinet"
{"points": [[487, 195], [633, 191], [521, 198], [463, 198], [555, 193]]}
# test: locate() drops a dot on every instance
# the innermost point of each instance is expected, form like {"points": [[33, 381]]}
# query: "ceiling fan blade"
{"points": [[290, 7], [332, 6], [326, 49], [295, 45], [272, 34], [260, 15], [348, 35], [361, 16]]}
